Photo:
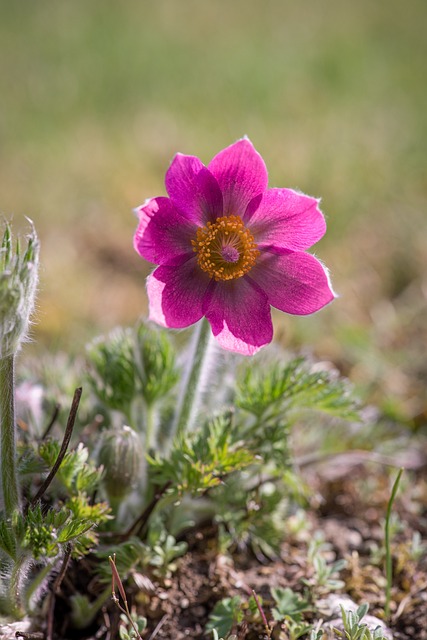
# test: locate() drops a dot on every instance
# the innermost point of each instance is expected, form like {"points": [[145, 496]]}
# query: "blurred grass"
{"points": [[97, 97]]}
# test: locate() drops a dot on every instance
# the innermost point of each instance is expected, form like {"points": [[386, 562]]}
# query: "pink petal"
{"points": [[239, 314], [285, 219], [193, 189], [163, 235], [296, 283], [241, 175], [175, 294]]}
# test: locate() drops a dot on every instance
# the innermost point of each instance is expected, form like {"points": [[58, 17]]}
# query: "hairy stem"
{"points": [[35, 586], [193, 380], [150, 426], [9, 476], [14, 587]]}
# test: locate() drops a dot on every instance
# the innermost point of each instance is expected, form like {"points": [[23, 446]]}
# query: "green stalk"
{"points": [[9, 476], [388, 558], [150, 426], [193, 381]]}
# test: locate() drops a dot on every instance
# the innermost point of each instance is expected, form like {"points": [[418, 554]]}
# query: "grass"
{"points": [[97, 98]]}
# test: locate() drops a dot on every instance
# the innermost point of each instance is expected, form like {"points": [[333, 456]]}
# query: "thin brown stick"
{"points": [[138, 525], [51, 421], [158, 627], [64, 446], [55, 588], [262, 614]]}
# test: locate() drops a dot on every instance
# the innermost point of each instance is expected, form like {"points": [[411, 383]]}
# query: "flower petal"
{"points": [[239, 314], [285, 219], [175, 294], [296, 282], [193, 189], [163, 234], [241, 175]]}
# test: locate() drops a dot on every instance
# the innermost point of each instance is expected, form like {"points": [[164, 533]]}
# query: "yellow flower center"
{"points": [[225, 249]]}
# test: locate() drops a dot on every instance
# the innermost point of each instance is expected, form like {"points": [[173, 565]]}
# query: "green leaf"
{"points": [[251, 517], [40, 535], [200, 460], [227, 612], [131, 554], [163, 554], [83, 511], [282, 388], [288, 603], [87, 478], [362, 610], [29, 464], [73, 530], [123, 633], [49, 451], [76, 474]]}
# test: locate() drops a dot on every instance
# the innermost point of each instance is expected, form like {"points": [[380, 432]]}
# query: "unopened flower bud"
{"points": [[18, 283], [121, 453]]}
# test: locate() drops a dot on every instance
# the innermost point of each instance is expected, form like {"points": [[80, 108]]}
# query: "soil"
{"points": [[350, 514]]}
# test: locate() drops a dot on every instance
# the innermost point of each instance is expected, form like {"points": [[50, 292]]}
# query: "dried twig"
{"points": [[52, 421], [137, 527], [139, 524], [158, 627], [64, 446]]}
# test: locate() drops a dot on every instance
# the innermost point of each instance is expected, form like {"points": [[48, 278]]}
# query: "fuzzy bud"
{"points": [[18, 283], [121, 454]]}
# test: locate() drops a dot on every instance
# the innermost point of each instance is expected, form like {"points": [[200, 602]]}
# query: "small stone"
{"points": [[9, 631]]}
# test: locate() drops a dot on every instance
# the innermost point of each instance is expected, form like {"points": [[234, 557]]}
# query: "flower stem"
{"points": [[150, 426], [9, 476], [193, 380]]}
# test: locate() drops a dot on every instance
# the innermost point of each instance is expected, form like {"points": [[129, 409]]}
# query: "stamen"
{"points": [[225, 249]]}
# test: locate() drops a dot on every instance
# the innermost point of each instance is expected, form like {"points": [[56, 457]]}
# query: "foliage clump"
{"points": [[123, 480], [135, 486]]}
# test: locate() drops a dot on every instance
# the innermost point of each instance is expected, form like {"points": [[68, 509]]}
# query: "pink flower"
{"points": [[229, 248]]}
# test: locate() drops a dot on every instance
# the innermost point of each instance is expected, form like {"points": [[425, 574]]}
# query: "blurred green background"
{"points": [[96, 98]]}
